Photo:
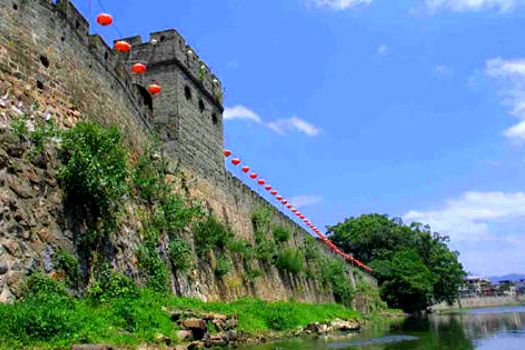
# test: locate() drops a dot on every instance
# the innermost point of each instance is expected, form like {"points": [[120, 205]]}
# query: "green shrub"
{"points": [[175, 213], [241, 247], [94, 169], [180, 254], [291, 260], [261, 220], [211, 235], [224, 266], [110, 285], [19, 126], [42, 130], [149, 175], [334, 275], [39, 286], [265, 250], [153, 266], [252, 274], [312, 252], [281, 234], [65, 261]]}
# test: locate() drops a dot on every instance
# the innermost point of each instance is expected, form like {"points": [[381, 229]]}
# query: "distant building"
{"points": [[506, 288], [475, 286]]}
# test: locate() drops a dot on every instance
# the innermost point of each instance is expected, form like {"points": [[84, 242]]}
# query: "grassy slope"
{"points": [[56, 322]]}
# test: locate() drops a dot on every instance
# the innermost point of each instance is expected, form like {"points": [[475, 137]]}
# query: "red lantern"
{"points": [[294, 210], [104, 19], [253, 175], [267, 187], [261, 182], [245, 169], [138, 68], [284, 201], [279, 198], [227, 153], [289, 206], [274, 192], [236, 161], [122, 46], [154, 89]]}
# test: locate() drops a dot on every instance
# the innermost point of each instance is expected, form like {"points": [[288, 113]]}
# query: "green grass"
{"points": [[53, 320], [257, 316]]}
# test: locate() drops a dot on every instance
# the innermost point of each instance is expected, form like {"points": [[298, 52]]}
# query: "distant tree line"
{"points": [[414, 266]]}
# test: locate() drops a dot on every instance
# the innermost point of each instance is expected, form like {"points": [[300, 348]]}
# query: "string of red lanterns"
{"points": [[105, 19], [299, 215], [122, 46]]}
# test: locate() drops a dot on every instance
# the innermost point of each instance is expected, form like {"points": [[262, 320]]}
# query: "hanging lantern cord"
{"points": [[115, 26]]}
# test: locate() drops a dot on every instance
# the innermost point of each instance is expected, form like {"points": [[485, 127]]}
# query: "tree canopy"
{"points": [[414, 265]]}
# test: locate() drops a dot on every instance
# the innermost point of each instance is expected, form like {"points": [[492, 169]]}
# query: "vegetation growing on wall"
{"points": [[99, 176]]}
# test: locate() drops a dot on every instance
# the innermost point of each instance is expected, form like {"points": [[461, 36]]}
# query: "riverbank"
{"points": [[478, 303], [51, 319]]}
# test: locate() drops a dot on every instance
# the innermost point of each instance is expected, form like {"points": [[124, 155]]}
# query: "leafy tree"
{"points": [[414, 265], [405, 281]]}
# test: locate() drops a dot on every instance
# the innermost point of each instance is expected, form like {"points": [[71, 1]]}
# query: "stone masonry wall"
{"points": [[188, 112], [50, 67]]}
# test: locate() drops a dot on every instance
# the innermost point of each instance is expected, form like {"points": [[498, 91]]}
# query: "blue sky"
{"points": [[413, 108]]}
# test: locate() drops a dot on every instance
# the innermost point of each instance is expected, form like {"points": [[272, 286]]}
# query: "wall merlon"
{"points": [[74, 18], [167, 47], [169, 34], [99, 48], [133, 40]]}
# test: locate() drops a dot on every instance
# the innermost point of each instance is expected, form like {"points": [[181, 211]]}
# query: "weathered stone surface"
{"points": [[21, 187], [318, 328], [196, 345], [231, 323], [350, 325], [184, 335], [220, 339], [85, 80], [94, 347], [213, 316], [161, 338], [194, 323]]}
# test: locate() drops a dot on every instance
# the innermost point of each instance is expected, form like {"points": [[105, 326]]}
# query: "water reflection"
{"points": [[483, 329]]}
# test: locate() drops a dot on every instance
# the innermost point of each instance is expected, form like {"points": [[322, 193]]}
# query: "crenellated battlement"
{"points": [[169, 47], [52, 68]]}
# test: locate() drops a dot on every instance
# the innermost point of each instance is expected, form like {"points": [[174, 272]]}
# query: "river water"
{"points": [[501, 328]]}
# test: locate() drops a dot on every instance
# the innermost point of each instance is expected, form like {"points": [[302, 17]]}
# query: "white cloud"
{"points": [[283, 126], [516, 132], [305, 200], [484, 226], [473, 5], [382, 50], [443, 71], [280, 126], [340, 5], [241, 112], [510, 75], [470, 216]]}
